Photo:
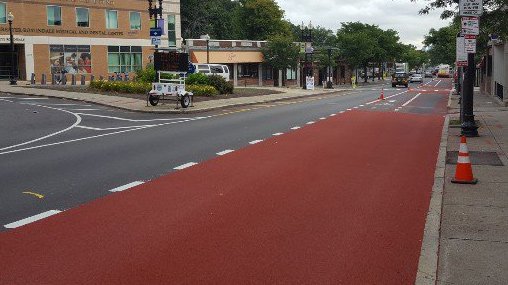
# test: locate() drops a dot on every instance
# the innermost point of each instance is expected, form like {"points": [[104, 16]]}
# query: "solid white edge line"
{"points": [[183, 166], [32, 219], [126, 186], [407, 103], [224, 152], [42, 98]]}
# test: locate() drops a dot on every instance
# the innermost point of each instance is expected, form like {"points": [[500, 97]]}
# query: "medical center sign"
{"points": [[471, 7]]}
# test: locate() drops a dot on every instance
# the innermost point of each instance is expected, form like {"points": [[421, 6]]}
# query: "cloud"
{"points": [[399, 15]]}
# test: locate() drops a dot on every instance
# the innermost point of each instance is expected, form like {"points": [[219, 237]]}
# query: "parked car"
{"points": [[400, 78], [217, 69], [416, 78], [428, 74]]}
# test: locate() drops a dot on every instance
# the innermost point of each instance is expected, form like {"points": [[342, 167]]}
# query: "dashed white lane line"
{"points": [[322, 118], [255, 142], [342, 112], [126, 186], [296, 128], [362, 105], [32, 219], [349, 109], [412, 99], [333, 115], [310, 123], [183, 166], [355, 107], [224, 152], [436, 90], [278, 134]]}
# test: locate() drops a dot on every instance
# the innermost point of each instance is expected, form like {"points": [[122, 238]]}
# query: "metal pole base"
{"points": [[469, 129], [474, 181], [329, 85], [13, 82]]}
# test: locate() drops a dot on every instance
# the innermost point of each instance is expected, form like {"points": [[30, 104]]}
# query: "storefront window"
{"points": [[111, 19], [124, 58], [135, 19], [70, 59], [3, 13], [82, 17], [171, 30], [54, 14]]}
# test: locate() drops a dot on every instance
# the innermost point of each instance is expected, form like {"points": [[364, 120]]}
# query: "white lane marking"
{"points": [[349, 109], [392, 101], [85, 110], [310, 123], [355, 107], [437, 83], [132, 120], [333, 115], [436, 90], [322, 118], [78, 121], [6, 97], [6, 100], [224, 152], [278, 134], [183, 166], [255, 142], [93, 137], [33, 98], [362, 105], [126, 186], [388, 97], [47, 104], [405, 104], [342, 112], [32, 219], [296, 128]]}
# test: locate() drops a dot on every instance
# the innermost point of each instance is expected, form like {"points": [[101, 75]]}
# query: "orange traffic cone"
{"points": [[464, 171], [382, 96]]}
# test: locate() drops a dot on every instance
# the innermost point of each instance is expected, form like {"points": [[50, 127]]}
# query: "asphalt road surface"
{"points": [[329, 189]]}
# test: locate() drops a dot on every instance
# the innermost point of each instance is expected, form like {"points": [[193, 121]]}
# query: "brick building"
{"points": [[87, 37]]}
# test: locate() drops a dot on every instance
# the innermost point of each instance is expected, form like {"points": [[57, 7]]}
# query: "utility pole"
{"points": [[469, 127], [156, 13]]}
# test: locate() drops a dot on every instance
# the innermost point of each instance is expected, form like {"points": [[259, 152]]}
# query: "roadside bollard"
{"points": [[43, 79], [82, 79], [32, 79], [92, 78], [53, 79], [73, 79]]}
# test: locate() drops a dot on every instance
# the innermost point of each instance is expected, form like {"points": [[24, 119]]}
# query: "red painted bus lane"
{"points": [[342, 201]]}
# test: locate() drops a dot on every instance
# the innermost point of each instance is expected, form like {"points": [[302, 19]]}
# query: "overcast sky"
{"points": [[399, 15]]}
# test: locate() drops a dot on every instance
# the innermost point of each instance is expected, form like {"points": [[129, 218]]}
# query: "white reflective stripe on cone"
{"points": [[463, 148], [463, 159]]}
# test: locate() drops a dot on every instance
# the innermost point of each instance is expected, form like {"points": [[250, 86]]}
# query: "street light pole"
{"points": [[469, 127], [13, 80], [155, 12]]}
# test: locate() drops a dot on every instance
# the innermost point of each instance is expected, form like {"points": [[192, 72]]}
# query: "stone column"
{"points": [[235, 74]]}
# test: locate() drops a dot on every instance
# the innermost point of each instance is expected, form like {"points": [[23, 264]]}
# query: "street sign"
{"points": [[470, 7], [461, 51], [155, 32], [156, 41], [470, 43], [470, 26]]}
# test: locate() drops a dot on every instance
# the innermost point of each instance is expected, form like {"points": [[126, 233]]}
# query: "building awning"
{"points": [[224, 57]]}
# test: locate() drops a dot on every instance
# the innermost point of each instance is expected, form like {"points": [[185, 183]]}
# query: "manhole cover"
{"points": [[477, 158]]}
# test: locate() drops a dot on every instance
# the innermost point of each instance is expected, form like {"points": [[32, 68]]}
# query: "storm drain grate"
{"points": [[477, 158]]}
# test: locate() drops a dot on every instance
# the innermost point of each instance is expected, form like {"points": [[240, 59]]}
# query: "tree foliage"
{"points": [[441, 45], [281, 52]]}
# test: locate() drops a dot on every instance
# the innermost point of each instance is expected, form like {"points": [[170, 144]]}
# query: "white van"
{"points": [[217, 69]]}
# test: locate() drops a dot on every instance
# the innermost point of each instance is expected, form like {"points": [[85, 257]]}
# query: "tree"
{"points": [[494, 18], [262, 19], [281, 53], [441, 45]]}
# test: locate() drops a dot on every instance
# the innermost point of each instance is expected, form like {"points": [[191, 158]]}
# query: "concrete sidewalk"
{"points": [[137, 105], [473, 247]]}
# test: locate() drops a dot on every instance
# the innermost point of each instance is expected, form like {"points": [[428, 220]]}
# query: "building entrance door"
{"points": [[6, 61]]}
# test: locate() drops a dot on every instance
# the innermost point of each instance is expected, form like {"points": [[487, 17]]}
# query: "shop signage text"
{"points": [[62, 32], [91, 2]]}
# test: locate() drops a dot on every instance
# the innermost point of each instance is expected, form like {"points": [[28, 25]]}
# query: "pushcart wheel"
{"points": [[185, 101], [154, 100]]}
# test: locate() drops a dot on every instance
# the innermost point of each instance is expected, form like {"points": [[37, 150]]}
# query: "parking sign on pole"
{"points": [[470, 26], [470, 7]]}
